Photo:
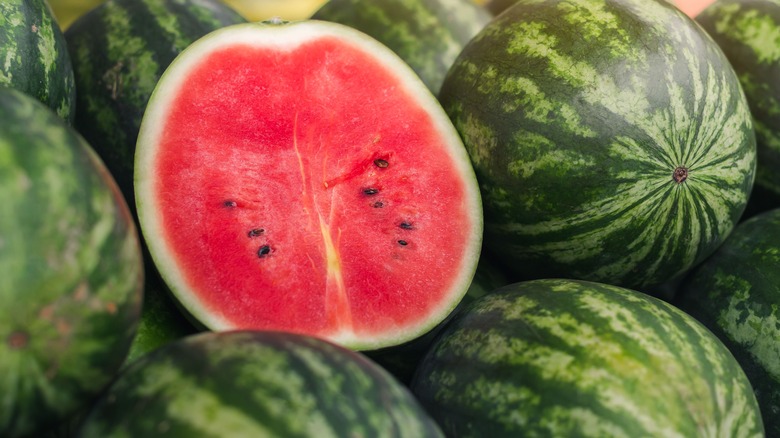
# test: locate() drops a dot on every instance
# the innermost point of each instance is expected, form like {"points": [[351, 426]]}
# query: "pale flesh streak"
{"points": [[337, 309]]}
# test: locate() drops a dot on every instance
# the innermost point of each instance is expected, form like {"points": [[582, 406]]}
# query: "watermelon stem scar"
{"points": [[680, 174]]}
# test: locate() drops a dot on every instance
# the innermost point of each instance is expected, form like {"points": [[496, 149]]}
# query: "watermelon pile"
{"points": [[391, 218]]}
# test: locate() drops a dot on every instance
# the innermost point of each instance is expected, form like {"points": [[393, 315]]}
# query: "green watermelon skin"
{"points": [[745, 31], [427, 34], [119, 51], [162, 321], [72, 276], [34, 55], [736, 294], [575, 358], [259, 384], [577, 115]]}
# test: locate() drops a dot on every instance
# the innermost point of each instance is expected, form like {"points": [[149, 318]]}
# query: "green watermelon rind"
{"points": [[290, 34], [260, 384], [736, 294], [35, 57], [559, 357], [577, 116], [72, 269], [745, 31]]}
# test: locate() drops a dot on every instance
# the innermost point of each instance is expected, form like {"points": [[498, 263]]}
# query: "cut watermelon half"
{"points": [[300, 177]]}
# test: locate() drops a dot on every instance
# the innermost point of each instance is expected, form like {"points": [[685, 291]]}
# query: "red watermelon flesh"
{"points": [[300, 177]]}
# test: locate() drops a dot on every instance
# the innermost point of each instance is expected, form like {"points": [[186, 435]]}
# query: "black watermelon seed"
{"points": [[406, 226], [370, 191], [381, 163], [403, 242], [255, 232], [229, 204], [264, 251]]}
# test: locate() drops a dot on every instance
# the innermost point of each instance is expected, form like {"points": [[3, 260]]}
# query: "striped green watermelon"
{"points": [[300, 177], [257, 384], [34, 56], [576, 358], [611, 139], [747, 32], [736, 293], [71, 272], [119, 51], [427, 34]]}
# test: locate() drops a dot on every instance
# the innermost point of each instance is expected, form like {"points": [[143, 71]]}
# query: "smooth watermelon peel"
{"points": [[300, 177]]}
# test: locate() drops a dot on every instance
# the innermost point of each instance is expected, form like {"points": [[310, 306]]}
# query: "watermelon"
{"points": [[72, 276], [747, 32], [34, 55], [300, 177], [611, 139], [557, 357], [119, 51], [402, 360], [736, 294], [258, 384], [161, 320], [427, 34]]}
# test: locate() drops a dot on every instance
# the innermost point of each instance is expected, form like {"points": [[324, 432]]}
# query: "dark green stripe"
{"points": [[115, 83], [681, 379]]}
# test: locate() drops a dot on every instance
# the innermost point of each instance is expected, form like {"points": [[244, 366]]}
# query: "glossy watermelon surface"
{"points": [[34, 55], [736, 294], [746, 32], [611, 139], [301, 177], [71, 275], [257, 384], [574, 358]]}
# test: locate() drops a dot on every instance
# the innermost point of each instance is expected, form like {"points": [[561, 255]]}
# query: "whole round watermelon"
{"points": [[744, 30], [736, 294], [72, 275], [257, 384], [576, 358], [34, 55], [611, 139]]}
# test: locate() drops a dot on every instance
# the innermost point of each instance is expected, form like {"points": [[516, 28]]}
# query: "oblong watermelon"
{"points": [[736, 294], [301, 177], [257, 384], [427, 34], [34, 55], [575, 358], [71, 274], [119, 50], [611, 139]]}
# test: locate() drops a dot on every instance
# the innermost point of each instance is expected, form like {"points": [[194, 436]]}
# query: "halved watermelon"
{"points": [[300, 177]]}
